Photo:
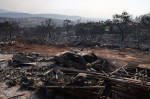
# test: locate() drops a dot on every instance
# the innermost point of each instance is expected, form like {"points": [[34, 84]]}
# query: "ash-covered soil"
{"points": [[22, 81]]}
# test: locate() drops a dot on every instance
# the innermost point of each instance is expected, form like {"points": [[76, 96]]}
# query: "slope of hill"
{"points": [[58, 16], [16, 15], [3, 11], [31, 21], [13, 14]]}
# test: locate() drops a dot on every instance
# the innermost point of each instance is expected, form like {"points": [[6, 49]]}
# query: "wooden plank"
{"points": [[117, 70], [101, 75], [75, 87]]}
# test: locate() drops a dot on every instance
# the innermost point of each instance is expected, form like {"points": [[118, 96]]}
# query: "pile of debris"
{"points": [[79, 73], [81, 60]]}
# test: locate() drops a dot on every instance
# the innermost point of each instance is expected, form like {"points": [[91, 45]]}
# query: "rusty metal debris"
{"points": [[78, 73]]}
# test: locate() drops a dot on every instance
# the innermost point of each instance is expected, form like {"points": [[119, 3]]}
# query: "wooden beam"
{"points": [[75, 87]]}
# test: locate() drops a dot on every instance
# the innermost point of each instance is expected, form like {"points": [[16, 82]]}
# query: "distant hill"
{"points": [[27, 15], [6, 11], [16, 15], [58, 16], [13, 14], [3, 11], [30, 20]]}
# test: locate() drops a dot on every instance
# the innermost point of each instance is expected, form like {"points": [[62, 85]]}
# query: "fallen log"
{"points": [[96, 62], [101, 75], [49, 71], [24, 64], [75, 87], [68, 70], [16, 96]]}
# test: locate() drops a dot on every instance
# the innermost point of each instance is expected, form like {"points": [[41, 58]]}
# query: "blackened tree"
{"points": [[145, 21], [122, 21], [8, 29], [49, 28]]}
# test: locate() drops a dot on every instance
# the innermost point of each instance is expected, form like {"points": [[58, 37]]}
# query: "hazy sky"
{"points": [[85, 8]]}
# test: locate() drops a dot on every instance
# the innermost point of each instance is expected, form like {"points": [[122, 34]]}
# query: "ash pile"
{"points": [[79, 74]]}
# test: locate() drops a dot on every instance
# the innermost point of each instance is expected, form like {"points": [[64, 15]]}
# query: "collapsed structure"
{"points": [[78, 73]]}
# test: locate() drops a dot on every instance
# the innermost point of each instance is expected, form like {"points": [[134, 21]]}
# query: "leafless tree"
{"points": [[68, 26], [49, 27], [9, 29], [121, 21], [145, 21]]}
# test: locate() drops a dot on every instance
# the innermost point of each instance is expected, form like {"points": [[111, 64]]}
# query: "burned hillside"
{"points": [[42, 58], [121, 31]]}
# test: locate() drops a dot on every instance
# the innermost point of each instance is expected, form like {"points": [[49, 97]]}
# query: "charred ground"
{"points": [[22, 78]]}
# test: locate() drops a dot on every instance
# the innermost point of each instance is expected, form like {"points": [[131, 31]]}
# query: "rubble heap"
{"points": [[79, 73]]}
